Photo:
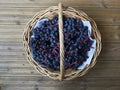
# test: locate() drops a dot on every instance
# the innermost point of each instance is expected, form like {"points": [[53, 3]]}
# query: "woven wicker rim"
{"points": [[50, 13]]}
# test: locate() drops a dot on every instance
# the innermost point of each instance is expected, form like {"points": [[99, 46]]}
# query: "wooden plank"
{"points": [[50, 3], [82, 3], [97, 82], [111, 3], [90, 12], [36, 87], [38, 80], [45, 5], [104, 88], [42, 1], [93, 73], [105, 18], [101, 69]]}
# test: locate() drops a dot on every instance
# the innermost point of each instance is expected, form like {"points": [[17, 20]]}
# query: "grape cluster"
{"points": [[44, 43]]}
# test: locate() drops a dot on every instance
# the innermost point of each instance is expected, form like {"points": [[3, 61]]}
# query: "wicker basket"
{"points": [[50, 13]]}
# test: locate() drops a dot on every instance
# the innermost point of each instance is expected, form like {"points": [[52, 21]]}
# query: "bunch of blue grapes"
{"points": [[45, 45]]}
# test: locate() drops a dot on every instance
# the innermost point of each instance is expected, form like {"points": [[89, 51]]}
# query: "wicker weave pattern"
{"points": [[50, 13]]}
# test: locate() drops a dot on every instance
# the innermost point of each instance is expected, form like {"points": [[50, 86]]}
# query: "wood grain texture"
{"points": [[17, 74]]}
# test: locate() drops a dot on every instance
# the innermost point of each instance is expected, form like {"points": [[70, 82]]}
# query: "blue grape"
{"points": [[44, 43]]}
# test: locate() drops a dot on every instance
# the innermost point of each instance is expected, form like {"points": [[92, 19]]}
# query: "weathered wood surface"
{"points": [[17, 74]]}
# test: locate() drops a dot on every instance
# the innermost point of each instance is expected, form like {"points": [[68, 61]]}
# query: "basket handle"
{"points": [[61, 39]]}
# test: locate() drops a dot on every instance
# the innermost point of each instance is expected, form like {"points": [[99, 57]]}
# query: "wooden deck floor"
{"points": [[17, 74]]}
